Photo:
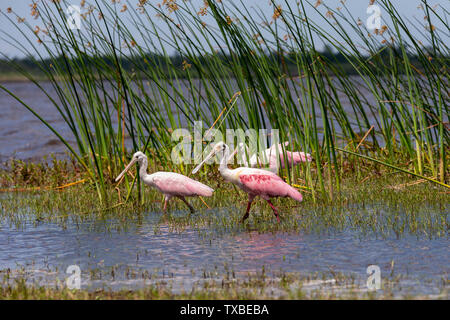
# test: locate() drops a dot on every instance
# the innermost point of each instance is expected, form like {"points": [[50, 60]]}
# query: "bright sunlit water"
{"points": [[187, 256]]}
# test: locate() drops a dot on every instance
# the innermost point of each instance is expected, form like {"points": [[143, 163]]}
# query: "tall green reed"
{"points": [[118, 88]]}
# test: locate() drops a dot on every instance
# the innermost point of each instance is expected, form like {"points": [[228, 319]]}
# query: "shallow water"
{"points": [[46, 250]]}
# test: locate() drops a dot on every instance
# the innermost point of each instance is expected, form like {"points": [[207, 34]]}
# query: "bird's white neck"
{"points": [[143, 169], [225, 172]]}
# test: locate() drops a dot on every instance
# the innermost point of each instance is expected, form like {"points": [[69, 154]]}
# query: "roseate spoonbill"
{"points": [[256, 182], [170, 184], [272, 155]]}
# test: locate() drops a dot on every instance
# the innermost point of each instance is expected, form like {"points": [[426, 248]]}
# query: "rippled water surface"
{"points": [[23, 136], [187, 255]]}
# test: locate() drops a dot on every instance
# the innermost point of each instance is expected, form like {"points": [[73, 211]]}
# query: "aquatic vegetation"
{"points": [[394, 114], [254, 286], [383, 205]]}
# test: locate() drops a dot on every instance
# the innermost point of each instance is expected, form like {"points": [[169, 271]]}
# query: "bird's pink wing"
{"points": [[179, 185], [298, 157], [293, 157], [268, 185]]}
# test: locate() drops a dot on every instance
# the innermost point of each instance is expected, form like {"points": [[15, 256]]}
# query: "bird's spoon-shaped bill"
{"points": [[209, 156], [126, 169]]}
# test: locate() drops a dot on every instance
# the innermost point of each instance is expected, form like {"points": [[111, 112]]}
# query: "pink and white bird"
{"points": [[255, 182], [272, 156], [170, 184]]}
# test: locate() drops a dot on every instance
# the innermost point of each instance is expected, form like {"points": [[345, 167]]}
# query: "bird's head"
{"points": [[137, 157], [219, 148]]}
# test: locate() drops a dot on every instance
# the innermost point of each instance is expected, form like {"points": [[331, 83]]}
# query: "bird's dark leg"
{"points": [[249, 204], [166, 200], [191, 208], [275, 212]]}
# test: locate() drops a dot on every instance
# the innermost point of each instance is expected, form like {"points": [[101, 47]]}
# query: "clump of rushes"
{"points": [[254, 286], [114, 80], [17, 175], [384, 204]]}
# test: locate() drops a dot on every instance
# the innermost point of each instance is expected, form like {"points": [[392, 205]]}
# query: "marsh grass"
{"points": [[254, 286], [385, 204], [399, 103], [48, 173]]}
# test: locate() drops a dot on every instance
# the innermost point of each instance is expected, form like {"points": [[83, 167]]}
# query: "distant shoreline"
{"points": [[18, 78]]}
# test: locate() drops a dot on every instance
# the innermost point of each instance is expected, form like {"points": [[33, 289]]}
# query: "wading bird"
{"points": [[170, 184], [274, 157], [256, 182]]}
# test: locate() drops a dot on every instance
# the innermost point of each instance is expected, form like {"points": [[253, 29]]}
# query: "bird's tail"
{"points": [[294, 194], [298, 157], [204, 190]]}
